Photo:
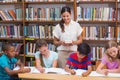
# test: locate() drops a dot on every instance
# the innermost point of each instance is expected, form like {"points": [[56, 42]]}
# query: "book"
{"points": [[94, 73], [12, 14]]}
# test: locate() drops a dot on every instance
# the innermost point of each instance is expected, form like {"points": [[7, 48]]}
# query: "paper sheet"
{"points": [[94, 73]]}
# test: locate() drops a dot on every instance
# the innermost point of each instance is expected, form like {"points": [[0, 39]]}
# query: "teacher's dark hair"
{"points": [[64, 9]]}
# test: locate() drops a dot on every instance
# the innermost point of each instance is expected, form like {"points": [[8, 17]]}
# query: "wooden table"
{"points": [[33, 76]]}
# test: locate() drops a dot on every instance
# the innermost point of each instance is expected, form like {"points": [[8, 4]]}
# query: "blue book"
{"points": [[25, 31]]}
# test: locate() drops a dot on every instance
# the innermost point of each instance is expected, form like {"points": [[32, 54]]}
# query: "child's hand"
{"points": [[28, 70], [42, 70], [25, 70], [72, 72], [85, 74], [105, 71]]}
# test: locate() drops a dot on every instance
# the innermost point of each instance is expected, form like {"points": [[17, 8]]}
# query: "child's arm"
{"points": [[100, 70], [69, 70], [14, 72], [115, 70], [84, 74], [38, 65], [20, 64], [22, 69], [54, 63]]}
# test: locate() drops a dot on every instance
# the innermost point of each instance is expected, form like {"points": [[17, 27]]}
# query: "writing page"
{"points": [[56, 70], [33, 69], [79, 72], [94, 73]]}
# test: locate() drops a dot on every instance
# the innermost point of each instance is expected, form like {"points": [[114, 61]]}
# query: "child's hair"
{"points": [[64, 9], [6, 46], [84, 48], [40, 43], [110, 44]]}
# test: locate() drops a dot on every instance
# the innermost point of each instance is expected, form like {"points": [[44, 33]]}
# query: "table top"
{"points": [[44, 76]]}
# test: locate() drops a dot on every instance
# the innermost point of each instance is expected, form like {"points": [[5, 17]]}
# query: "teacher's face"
{"points": [[66, 16]]}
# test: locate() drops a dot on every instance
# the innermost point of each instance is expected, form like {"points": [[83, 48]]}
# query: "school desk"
{"points": [[61, 74], [43, 76]]}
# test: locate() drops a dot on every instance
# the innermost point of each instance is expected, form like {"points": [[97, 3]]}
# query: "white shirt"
{"points": [[72, 31]]}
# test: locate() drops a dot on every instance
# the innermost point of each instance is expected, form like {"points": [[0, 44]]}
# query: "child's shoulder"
{"points": [[105, 59], [3, 57], [2, 54], [73, 54]]}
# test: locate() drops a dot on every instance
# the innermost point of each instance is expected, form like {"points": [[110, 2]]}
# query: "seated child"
{"points": [[7, 62], [44, 57], [80, 60], [110, 59]]}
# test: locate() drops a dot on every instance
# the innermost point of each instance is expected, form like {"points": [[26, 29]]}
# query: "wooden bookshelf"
{"points": [[98, 22], [114, 4]]}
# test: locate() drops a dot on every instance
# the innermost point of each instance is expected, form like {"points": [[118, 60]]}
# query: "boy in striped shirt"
{"points": [[80, 60]]}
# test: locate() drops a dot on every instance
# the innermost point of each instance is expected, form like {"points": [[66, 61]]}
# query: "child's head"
{"points": [[83, 49], [112, 50], [9, 50], [42, 46]]}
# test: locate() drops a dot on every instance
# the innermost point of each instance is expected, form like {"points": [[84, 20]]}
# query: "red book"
{"points": [[12, 13]]}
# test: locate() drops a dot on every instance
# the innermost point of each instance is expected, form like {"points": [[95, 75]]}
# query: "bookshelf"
{"points": [[99, 19], [40, 18], [35, 19], [25, 21], [118, 20], [11, 25]]}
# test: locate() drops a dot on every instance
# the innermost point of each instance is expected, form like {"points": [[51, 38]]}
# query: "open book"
{"points": [[33, 69], [94, 73], [47, 70], [62, 71]]}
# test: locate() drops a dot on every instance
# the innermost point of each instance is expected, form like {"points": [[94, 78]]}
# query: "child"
{"points": [[80, 60], [110, 59], [45, 57], [7, 62]]}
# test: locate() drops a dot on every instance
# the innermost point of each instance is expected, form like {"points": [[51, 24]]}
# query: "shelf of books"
{"points": [[40, 19], [11, 28], [99, 23], [118, 19], [25, 21]]}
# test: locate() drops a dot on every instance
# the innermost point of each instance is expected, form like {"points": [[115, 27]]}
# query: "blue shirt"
{"points": [[49, 61], [6, 62]]}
